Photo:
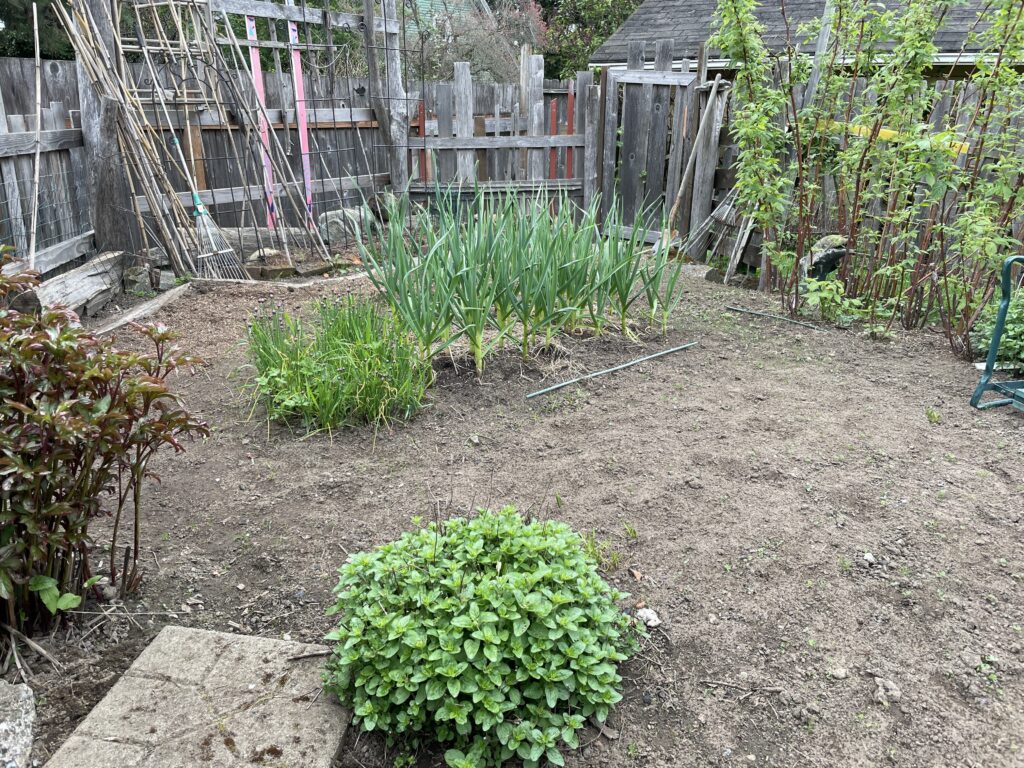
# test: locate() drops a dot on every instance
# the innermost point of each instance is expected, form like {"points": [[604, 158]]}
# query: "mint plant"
{"points": [[494, 636]]}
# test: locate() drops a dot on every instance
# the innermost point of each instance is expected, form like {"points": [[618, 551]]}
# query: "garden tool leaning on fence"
{"points": [[1012, 392]]}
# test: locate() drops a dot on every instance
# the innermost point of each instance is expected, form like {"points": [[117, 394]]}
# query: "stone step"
{"points": [[201, 698]]}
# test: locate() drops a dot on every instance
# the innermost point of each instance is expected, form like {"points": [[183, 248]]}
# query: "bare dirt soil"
{"points": [[840, 577]]}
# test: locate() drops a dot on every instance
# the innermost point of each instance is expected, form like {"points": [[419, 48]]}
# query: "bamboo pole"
{"points": [[39, 123]]}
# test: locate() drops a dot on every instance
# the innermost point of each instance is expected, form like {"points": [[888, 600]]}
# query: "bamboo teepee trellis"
{"points": [[185, 78]]}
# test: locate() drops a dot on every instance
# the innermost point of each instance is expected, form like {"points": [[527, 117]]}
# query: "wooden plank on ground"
{"points": [[143, 310], [80, 286], [55, 256]]}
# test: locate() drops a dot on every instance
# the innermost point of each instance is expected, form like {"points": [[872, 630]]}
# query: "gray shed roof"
{"points": [[689, 23]]}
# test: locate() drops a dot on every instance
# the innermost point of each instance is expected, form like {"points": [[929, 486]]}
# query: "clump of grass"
{"points": [[351, 362]]}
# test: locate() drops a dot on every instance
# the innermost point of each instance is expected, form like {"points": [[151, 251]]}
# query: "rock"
{"points": [[136, 280], [649, 617], [839, 673], [167, 280], [826, 254], [971, 660], [712, 619], [870, 559], [826, 243], [17, 720], [713, 275], [267, 256], [886, 691], [275, 271], [155, 257], [474, 439], [344, 225]]}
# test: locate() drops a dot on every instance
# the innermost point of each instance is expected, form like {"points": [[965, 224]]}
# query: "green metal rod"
{"points": [[775, 317], [611, 370]]}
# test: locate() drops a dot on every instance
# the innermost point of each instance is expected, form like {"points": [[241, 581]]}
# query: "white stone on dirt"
{"points": [[649, 617], [839, 673], [869, 558], [886, 691], [17, 720]]}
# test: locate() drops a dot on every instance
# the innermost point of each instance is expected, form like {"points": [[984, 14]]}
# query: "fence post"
{"points": [[111, 205], [389, 101], [592, 143], [11, 192], [464, 120], [535, 115]]}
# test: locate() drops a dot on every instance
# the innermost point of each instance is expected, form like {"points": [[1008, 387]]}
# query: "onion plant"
{"points": [[491, 267], [622, 254], [403, 267]]}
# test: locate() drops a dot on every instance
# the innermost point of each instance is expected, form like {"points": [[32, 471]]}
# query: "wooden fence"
{"points": [[537, 135], [628, 137], [61, 203]]}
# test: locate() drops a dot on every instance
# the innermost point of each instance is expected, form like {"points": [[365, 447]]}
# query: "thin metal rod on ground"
{"points": [[612, 370], [775, 317]]}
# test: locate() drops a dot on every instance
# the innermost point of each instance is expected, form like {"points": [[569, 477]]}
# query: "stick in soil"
{"points": [[776, 317], [611, 370]]}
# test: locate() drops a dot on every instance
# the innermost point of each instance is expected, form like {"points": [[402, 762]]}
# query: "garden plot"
{"points": [[829, 534]]}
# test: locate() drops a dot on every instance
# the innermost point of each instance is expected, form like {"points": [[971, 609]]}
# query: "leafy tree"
{"points": [[576, 28], [16, 22]]}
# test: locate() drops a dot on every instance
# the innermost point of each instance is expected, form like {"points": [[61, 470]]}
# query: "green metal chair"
{"points": [[1011, 392]]}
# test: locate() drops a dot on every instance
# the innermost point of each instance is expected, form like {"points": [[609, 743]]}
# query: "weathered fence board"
{"points": [[530, 138], [647, 135]]}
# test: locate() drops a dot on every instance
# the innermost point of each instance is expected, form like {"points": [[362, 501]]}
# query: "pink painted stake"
{"points": [[300, 115], [257, 79]]}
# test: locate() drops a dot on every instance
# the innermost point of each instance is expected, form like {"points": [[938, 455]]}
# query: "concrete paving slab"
{"points": [[89, 751], [181, 655], [195, 697]]}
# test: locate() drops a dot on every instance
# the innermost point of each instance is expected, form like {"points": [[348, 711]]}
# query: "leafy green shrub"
{"points": [[79, 422], [1011, 346], [494, 636], [829, 296], [351, 363]]}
